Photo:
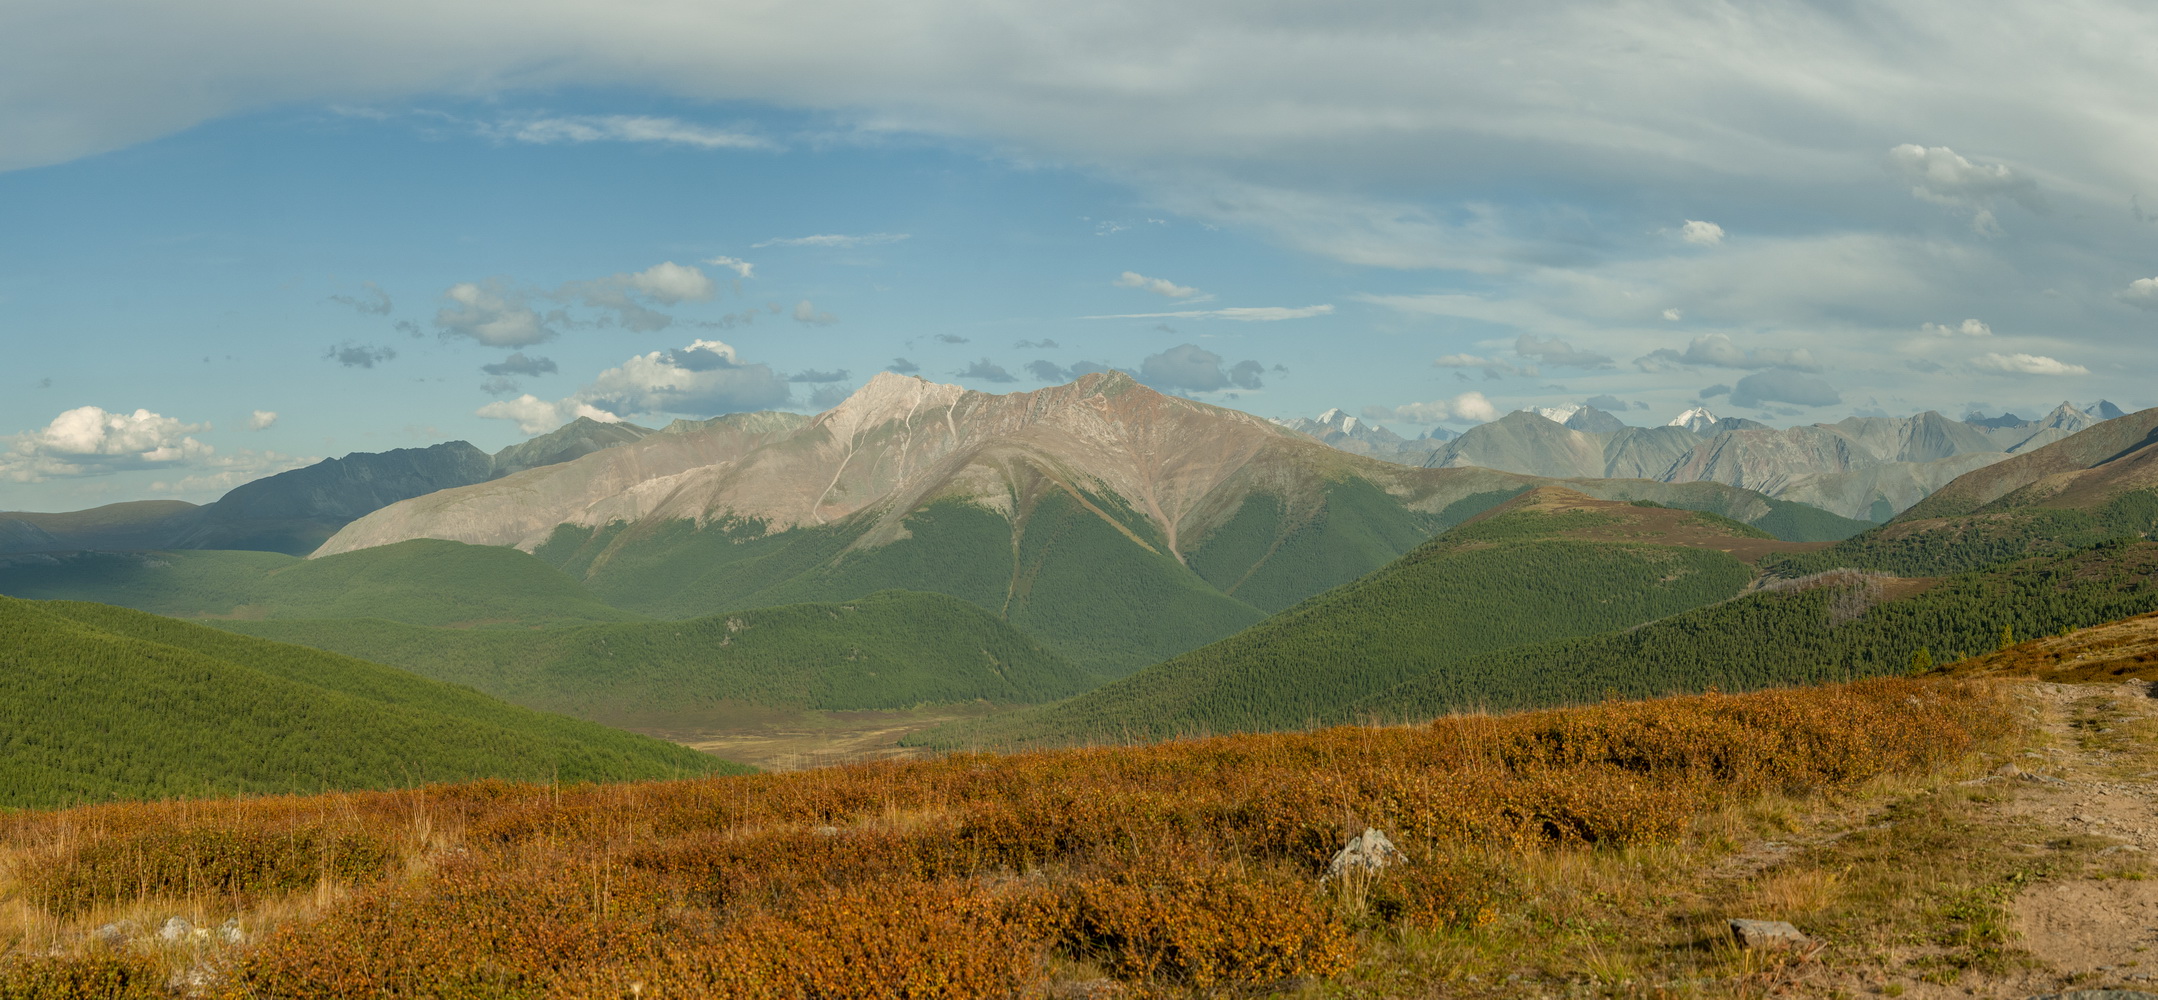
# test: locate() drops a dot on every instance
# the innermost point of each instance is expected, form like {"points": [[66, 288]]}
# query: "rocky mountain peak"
{"points": [[1696, 419]]}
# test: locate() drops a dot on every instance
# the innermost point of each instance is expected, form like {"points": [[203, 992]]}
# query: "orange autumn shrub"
{"points": [[1188, 865]]}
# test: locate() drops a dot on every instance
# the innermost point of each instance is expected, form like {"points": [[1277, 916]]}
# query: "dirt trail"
{"points": [[2087, 785]]}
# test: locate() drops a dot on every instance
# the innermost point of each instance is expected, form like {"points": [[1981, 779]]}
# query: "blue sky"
{"points": [[1428, 214]]}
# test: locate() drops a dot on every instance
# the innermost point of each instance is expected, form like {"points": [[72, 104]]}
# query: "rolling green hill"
{"points": [[1827, 628], [100, 703], [894, 649], [423, 582], [1547, 564]]}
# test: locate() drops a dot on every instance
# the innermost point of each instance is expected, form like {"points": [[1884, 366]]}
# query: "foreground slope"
{"points": [[889, 650], [1548, 563], [106, 703], [1187, 868], [1119, 525]]}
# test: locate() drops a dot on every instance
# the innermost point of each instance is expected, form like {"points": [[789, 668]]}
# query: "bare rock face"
{"points": [[1365, 853]]}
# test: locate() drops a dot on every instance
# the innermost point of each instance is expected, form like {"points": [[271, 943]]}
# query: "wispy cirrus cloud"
{"points": [[622, 128], [1245, 314], [837, 241]]}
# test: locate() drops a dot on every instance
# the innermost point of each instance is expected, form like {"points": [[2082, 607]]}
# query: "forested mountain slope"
{"points": [[1545, 564]]}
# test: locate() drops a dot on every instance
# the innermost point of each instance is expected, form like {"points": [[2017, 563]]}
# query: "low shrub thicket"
{"points": [[1185, 865]]}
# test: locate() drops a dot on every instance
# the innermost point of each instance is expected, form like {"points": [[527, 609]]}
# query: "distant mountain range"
{"points": [[1111, 522], [1868, 468], [294, 512]]}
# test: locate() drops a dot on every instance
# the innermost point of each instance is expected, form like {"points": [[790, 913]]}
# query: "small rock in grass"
{"points": [[1368, 851], [175, 929], [1767, 935]]}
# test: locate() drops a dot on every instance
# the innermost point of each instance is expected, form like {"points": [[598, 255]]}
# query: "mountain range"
{"points": [[294, 512], [1116, 524], [1866, 468]]}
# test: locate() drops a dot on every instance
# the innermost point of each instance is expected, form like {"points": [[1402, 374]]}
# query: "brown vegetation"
{"points": [[1186, 866]]}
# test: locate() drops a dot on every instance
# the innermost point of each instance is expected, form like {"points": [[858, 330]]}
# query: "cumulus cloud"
{"points": [[90, 441], [518, 364], [703, 379], [1160, 286], [833, 241], [901, 366], [804, 312], [813, 375], [1554, 351], [1191, 368], [1246, 314], [2141, 293], [1467, 408], [1942, 176], [493, 312], [2026, 364], [353, 355], [1044, 344], [1674, 315], [372, 300], [741, 268], [1762, 388], [261, 420], [1719, 389], [1968, 328], [1049, 371], [1698, 233], [987, 371], [502, 385], [950, 338], [1613, 404], [1716, 350]]}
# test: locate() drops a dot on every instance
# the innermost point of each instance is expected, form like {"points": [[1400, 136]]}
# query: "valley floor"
{"points": [[779, 740]]}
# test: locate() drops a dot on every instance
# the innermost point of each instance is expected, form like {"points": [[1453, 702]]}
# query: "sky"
{"points": [[244, 235]]}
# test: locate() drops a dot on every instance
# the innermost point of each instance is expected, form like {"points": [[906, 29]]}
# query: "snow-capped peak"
{"points": [[1694, 419], [1556, 414]]}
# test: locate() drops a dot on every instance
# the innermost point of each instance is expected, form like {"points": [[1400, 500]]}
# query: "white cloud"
{"points": [[704, 379], [804, 312], [1763, 388], [1942, 176], [1673, 315], [493, 313], [1467, 408], [741, 268], [833, 240], [2141, 293], [1247, 314], [90, 440], [2026, 364], [1160, 286], [1968, 328], [1698, 233], [624, 128], [669, 283], [262, 420]]}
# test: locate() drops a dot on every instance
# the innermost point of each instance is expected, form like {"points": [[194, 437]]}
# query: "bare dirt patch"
{"points": [[793, 741]]}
